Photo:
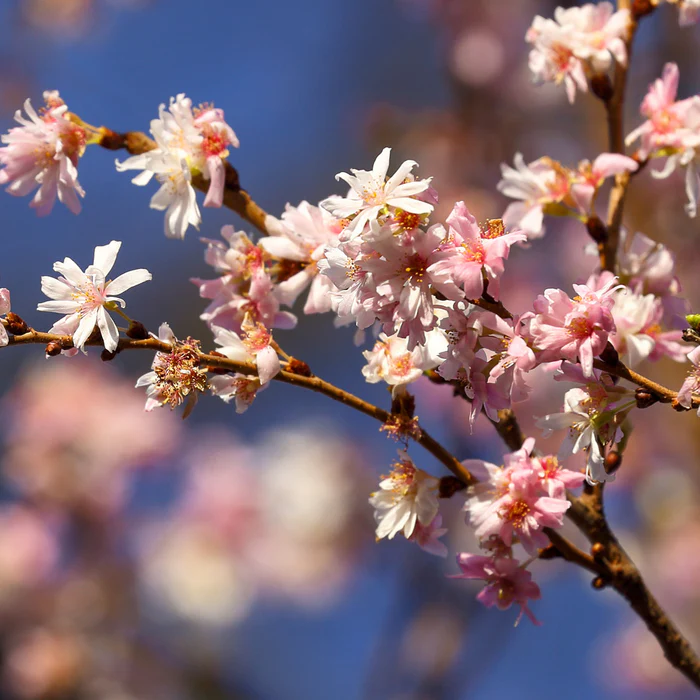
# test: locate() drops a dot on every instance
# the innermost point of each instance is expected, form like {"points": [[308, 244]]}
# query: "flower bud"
{"points": [[597, 230], [15, 324], [137, 331], [53, 348], [449, 486], [645, 398], [612, 463], [641, 8], [298, 367], [602, 87]]}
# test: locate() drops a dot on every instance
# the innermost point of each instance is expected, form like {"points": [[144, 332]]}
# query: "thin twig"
{"points": [[313, 383]]}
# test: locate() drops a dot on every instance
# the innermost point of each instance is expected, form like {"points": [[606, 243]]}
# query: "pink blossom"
{"points": [[590, 176], [537, 185], [470, 252], [570, 329], [512, 502], [666, 117], [372, 193], [255, 345], [391, 361], [579, 41], [506, 582], [427, 537], [43, 152], [301, 237], [406, 496], [243, 389], [4, 309], [692, 383]]}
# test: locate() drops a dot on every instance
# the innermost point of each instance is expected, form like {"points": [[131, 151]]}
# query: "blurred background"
{"points": [[233, 556]]}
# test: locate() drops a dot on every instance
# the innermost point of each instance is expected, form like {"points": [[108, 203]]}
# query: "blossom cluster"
{"points": [[512, 504], [190, 142], [578, 44]]}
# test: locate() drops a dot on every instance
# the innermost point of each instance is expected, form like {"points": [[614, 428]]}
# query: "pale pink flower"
{"points": [[588, 417], [302, 237], [537, 185], [176, 377], [570, 329], [241, 388], [692, 383], [43, 152], [511, 502], [85, 297], [230, 306], [579, 41], [254, 346], [506, 582], [471, 253], [391, 361], [590, 176], [406, 496], [372, 192], [189, 142], [4, 309], [427, 537], [638, 334], [672, 129]]}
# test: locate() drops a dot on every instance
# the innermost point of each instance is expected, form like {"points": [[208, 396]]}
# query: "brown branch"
{"points": [[235, 198], [614, 108], [313, 383], [573, 554]]}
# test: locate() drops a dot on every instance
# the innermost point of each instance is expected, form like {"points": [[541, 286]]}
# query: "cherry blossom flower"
{"points": [[407, 495], [590, 176], [579, 41], [85, 297], [506, 582], [391, 361], [43, 152], [4, 309], [255, 346], [299, 240], [588, 415], [565, 328], [243, 389], [539, 186], [511, 501], [427, 537], [176, 376], [188, 143], [372, 192], [471, 253], [638, 334], [692, 383], [671, 124]]}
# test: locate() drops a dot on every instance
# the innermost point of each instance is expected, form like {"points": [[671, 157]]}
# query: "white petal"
{"points": [[105, 255], [127, 281]]}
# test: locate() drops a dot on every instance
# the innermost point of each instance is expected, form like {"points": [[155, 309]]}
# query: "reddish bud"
{"points": [[645, 398], [599, 583], [107, 356], [597, 230], [612, 463], [53, 348], [137, 331], [15, 324], [450, 485], [609, 355], [642, 8], [597, 550], [602, 87], [298, 367]]}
